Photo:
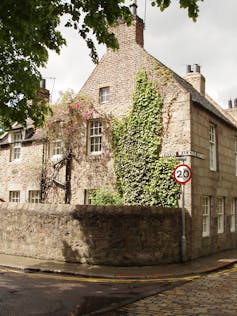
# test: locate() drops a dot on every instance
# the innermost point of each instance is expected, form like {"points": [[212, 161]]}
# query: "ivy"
{"points": [[106, 197], [143, 178]]}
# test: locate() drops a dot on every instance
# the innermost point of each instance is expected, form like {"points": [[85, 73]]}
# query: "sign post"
{"points": [[182, 174]]}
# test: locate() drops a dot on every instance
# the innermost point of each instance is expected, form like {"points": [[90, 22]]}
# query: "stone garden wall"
{"points": [[112, 235]]}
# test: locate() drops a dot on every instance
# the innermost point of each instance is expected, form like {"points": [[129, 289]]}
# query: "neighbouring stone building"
{"points": [[195, 129]]}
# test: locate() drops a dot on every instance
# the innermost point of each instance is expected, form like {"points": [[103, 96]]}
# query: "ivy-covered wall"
{"points": [[143, 178]]}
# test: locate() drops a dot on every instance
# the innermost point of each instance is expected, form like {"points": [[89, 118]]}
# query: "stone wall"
{"points": [[23, 174], [87, 234], [214, 184]]}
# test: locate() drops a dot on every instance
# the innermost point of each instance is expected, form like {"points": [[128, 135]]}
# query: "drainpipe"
{"points": [[42, 184]]}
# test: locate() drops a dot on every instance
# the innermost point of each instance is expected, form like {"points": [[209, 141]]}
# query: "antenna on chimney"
{"points": [[133, 7]]}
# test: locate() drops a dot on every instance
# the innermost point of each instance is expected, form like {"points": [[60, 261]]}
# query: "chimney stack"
{"points": [[129, 35], [195, 78]]}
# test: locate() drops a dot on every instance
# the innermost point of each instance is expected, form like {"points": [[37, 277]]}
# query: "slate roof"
{"points": [[204, 102]]}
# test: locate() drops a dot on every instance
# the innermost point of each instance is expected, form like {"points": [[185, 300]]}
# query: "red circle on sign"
{"points": [[182, 173]]}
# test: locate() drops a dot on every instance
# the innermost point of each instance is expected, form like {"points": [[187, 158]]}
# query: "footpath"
{"points": [[198, 266]]}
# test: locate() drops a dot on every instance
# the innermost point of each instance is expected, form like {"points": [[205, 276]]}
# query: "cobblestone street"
{"points": [[211, 295]]}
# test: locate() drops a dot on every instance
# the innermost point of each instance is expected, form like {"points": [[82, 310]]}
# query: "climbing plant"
{"points": [[143, 178], [68, 128]]}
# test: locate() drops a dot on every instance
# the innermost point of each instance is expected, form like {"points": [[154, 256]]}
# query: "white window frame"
{"points": [[220, 210], [15, 151], [14, 196], [104, 94], [233, 215], [34, 196], [95, 137], [205, 203], [55, 149], [212, 146]]}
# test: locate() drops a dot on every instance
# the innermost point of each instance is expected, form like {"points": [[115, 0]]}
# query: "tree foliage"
{"points": [[190, 5], [143, 177], [28, 29]]}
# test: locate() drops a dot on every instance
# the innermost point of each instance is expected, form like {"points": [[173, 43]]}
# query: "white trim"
{"points": [[104, 94], [95, 137], [212, 147], [233, 215], [220, 210], [205, 216]]}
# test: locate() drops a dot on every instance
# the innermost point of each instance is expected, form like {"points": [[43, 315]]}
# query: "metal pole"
{"points": [[183, 240]]}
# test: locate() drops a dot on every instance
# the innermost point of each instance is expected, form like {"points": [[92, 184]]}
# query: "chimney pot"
{"points": [[43, 84], [133, 7], [230, 104], [188, 69], [196, 68], [235, 103]]}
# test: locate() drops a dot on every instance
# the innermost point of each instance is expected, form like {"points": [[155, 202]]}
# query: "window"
{"points": [[14, 196], [104, 95], [212, 142], [205, 216], [95, 137], [16, 139], [34, 196], [220, 214], [89, 194], [233, 215], [56, 148], [236, 156]]}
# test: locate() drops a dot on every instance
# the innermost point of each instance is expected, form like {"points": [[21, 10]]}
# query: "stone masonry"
{"points": [[188, 114], [131, 235]]}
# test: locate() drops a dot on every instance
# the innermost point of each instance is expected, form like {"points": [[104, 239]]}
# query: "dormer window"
{"points": [[16, 139], [104, 95]]}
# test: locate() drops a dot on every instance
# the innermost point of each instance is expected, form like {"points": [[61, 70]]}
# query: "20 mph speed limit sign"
{"points": [[182, 173]]}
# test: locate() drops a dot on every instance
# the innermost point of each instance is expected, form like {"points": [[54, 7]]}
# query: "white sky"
{"points": [[172, 38]]}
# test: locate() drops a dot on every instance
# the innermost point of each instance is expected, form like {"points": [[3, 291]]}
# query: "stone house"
{"points": [[195, 129]]}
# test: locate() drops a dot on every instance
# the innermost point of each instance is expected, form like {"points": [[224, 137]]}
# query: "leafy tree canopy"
{"points": [[28, 29]]}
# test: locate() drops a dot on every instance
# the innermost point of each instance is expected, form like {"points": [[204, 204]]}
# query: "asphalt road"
{"points": [[24, 294]]}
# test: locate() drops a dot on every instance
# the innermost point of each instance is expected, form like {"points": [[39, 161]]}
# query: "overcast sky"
{"points": [[172, 38]]}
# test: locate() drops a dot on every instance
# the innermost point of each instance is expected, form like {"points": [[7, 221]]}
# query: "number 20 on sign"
{"points": [[182, 173]]}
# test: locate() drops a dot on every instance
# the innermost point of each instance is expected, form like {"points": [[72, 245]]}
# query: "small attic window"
{"points": [[104, 95]]}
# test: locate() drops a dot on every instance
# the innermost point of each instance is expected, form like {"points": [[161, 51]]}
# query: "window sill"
{"points": [[56, 157], [16, 160], [206, 236]]}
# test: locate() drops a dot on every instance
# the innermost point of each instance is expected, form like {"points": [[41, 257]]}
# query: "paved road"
{"points": [[57, 295], [211, 295]]}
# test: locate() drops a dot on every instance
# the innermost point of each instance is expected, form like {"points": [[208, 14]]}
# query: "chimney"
{"points": [[195, 78], [43, 92], [129, 35], [235, 103], [230, 104], [133, 7], [43, 84]]}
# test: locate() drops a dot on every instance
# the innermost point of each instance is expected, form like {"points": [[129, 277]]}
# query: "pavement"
{"points": [[198, 266]]}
